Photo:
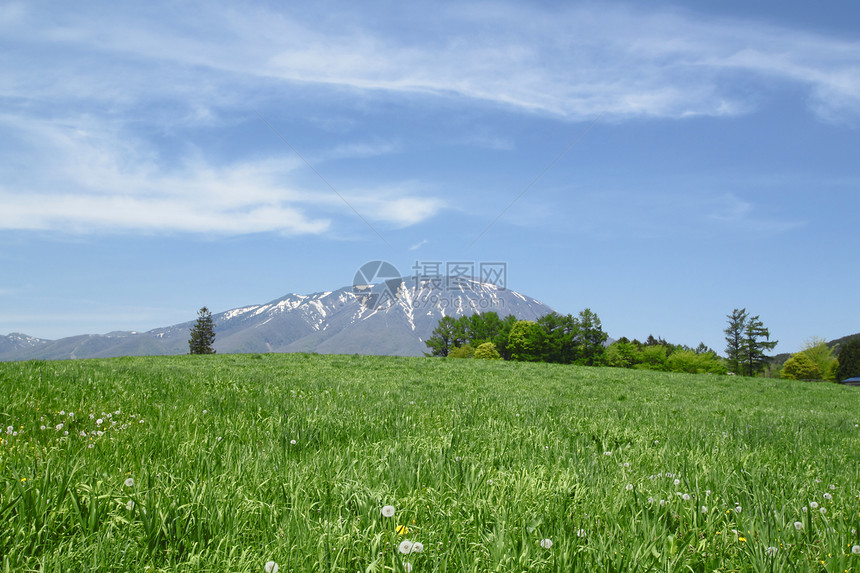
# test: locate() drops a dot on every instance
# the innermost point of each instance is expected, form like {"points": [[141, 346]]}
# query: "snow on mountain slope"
{"points": [[392, 318]]}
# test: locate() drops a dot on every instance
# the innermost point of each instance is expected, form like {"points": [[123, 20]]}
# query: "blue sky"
{"points": [[660, 163]]}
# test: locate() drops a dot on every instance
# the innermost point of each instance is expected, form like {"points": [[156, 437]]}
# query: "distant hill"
{"points": [[393, 318], [779, 359]]}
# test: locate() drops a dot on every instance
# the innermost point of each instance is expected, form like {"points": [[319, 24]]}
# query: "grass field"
{"points": [[226, 463]]}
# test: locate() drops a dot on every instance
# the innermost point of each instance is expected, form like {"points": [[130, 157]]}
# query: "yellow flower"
{"points": [[402, 530], [23, 480], [742, 538]]}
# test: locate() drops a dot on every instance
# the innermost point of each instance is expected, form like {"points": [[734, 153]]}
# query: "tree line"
{"points": [[563, 339], [567, 339]]}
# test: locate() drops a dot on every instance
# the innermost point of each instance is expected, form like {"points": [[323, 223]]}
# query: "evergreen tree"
{"points": [[754, 347], [202, 333], [442, 340], [734, 339], [849, 360], [591, 339]]}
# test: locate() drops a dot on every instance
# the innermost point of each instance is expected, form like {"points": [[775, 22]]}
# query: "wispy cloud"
{"points": [[83, 175], [572, 62], [418, 245]]}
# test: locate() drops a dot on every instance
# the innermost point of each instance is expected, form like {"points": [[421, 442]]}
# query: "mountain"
{"points": [[391, 318]]}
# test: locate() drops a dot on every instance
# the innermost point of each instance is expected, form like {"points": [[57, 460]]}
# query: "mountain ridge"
{"points": [[390, 318]]}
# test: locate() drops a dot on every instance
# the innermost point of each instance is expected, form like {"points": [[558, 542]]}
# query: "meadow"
{"points": [[236, 463]]}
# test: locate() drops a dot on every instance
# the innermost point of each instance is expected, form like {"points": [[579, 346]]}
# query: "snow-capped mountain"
{"points": [[391, 318]]}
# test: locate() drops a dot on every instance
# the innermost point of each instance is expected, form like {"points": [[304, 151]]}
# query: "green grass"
{"points": [[239, 460]]}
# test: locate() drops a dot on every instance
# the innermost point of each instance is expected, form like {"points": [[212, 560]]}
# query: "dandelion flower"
{"points": [[772, 551], [798, 525], [813, 504], [129, 482], [271, 567], [58, 427], [99, 422], [546, 543], [686, 497], [823, 510], [677, 482], [405, 547], [827, 496], [42, 427], [402, 530], [417, 547], [292, 442], [629, 486], [856, 550], [388, 511]]}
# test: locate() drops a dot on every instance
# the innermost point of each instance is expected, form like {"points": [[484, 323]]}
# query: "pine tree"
{"points": [[734, 339], [754, 347], [202, 333]]}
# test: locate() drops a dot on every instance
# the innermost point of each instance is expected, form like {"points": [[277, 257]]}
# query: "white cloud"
{"points": [[83, 175], [570, 61]]}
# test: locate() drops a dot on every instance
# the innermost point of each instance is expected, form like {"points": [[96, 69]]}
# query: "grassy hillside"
{"points": [[224, 463]]}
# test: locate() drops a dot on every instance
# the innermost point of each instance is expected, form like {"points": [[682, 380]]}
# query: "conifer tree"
{"points": [[202, 333]]}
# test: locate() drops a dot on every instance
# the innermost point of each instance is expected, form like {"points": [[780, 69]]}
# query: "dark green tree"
{"points": [[735, 339], [441, 342], [202, 333], [591, 339], [849, 360], [756, 342]]}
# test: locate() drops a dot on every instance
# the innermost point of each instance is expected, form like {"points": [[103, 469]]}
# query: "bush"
{"points": [[487, 351]]}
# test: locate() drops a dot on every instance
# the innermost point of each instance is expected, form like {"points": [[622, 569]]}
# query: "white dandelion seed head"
{"points": [[71, 414], [292, 442], [823, 510], [607, 453], [626, 464], [704, 509], [856, 550], [813, 504], [92, 416], [271, 567], [629, 486], [388, 511], [546, 543], [405, 547], [738, 509], [90, 445], [417, 547], [803, 509], [650, 500], [62, 412], [129, 505], [677, 482], [798, 525], [99, 422], [42, 427], [772, 551], [828, 496], [832, 486], [407, 567], [686, 497], [58, 427], [129, 482], [707, 493]]}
